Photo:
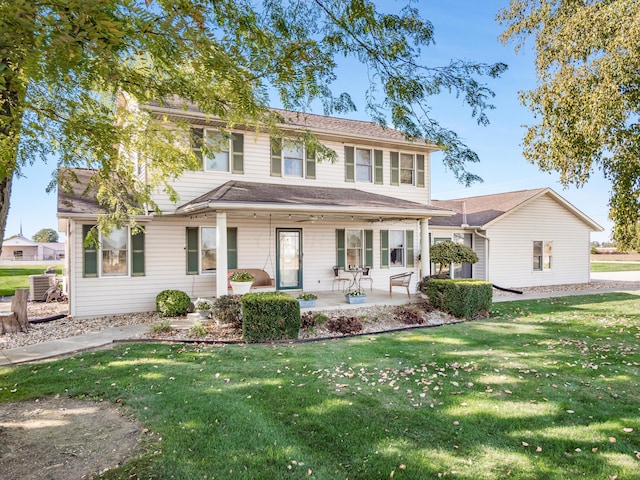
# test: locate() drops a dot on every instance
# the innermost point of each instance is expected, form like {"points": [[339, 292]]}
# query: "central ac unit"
{"points": [[38, 286]]}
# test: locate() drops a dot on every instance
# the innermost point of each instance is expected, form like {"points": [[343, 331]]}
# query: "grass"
{"points": [[614, 267], [18, 277], [543, 389]]}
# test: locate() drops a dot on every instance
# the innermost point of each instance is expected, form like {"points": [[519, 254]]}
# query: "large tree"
{"points": [[75, 71], [45, 235], [587, 99]]}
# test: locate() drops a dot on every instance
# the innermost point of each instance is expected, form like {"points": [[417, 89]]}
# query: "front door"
{"points": [[289, 258]]}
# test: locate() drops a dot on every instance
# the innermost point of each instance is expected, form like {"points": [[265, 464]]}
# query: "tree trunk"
{"points": [[5, 196], [19, 307], [9, 323]]}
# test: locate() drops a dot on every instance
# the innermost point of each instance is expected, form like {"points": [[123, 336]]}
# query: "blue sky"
{"points": [[464, 29]]}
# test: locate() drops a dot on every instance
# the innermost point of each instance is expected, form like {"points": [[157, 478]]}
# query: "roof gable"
{"points": [[484, 210]]}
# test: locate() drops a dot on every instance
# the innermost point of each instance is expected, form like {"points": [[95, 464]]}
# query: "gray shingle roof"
{"points": [[482, 209], [78, 201], [282, 197]]}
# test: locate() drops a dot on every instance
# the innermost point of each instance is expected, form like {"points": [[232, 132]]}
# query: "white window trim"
{"points": [[414, 169], [403, 248], [346, 245], [371, 165], [303, 161], [544, 245], [215, 131], [99, 252], [200, 270]]}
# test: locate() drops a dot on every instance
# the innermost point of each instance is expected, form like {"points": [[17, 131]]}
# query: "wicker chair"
{"points": [[400, 280]]}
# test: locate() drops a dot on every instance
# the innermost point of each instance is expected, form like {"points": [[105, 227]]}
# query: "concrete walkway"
{"points": [[101, 338]]}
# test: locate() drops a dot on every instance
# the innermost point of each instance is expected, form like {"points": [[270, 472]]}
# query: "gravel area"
{"points": [[373, 319]]}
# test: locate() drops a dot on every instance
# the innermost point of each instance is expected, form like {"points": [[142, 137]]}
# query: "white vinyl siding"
{"points": [[543, 219], [165, 263], [257, 168]]}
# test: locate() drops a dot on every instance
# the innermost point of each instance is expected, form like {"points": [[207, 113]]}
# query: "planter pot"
{"points": [[356, 299], [240, 288], [307, 303], [204, 314]]}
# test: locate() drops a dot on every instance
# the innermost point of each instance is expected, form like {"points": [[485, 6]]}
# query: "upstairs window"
{"points": [[407, 169], [218, 152], [291, 159], [363, 165]]}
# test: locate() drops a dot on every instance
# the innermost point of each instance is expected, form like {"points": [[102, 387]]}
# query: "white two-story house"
{"points": [[257, 204]]}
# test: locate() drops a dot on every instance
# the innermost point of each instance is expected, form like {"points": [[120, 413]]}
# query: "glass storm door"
{"points": [[289, 258]]}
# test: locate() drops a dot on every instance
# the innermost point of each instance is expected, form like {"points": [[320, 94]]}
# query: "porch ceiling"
{"points": [[254, 198]]}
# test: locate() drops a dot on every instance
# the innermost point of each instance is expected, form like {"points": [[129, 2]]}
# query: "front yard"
{"points": [[543, 389]]}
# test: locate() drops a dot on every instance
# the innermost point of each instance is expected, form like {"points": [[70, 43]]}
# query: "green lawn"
{"points": [[544, 389], [18, 277], [614, 267]]}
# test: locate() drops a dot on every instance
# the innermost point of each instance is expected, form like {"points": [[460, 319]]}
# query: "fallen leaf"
{"points": [[538, 449], [627, 430], [393, 472], [402, 466], [570, 411], [578, 450], [525, 444], [612, 439], [508, 391], [594, 449]]}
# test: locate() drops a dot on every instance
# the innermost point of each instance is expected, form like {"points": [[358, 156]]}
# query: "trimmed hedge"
{"points": [[228, 310], [172, 303], [269, 316], [460, 298]]}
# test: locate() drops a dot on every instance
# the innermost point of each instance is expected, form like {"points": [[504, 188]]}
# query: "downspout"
{"points": [[487, 249]]}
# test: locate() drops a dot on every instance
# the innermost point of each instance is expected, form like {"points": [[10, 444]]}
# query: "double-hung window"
{"points": [[202, 249], [363, 165], [218, 152], [542, 255], [291, 159], [407, 169], [396, 248], [354, 248], [118, 254]]}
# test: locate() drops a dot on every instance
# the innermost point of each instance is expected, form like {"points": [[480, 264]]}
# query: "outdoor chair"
{"points": [[337, 278], [366, 276], [400, 280]]}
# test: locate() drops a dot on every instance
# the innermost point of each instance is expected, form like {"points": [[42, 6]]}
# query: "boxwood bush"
{"points": [[172, 303], [269, 316], [460, 298]]}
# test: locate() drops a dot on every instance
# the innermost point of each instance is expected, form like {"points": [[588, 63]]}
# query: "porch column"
{"points": [[221, 254], [425, 263]]}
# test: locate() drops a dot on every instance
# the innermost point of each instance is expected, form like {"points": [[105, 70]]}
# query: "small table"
{"points": [[356, 273]]}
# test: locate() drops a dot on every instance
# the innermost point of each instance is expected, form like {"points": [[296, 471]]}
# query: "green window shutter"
{"points": [[310, 170], [384, 248], [232, 247], [237, 147], [395, 169], [90, 264], [368, 248], [410, 254], [192, 250], [341, 260], [137, 255], [276, 157], [377, 171], [349, 165], [420, 171]]}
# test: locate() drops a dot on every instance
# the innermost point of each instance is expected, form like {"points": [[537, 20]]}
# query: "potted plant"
{"points": [[241, 282], [307, 300], [356, 296], [203, 307]]}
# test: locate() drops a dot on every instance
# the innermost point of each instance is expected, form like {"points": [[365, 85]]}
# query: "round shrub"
{"points": [[172, 303]]}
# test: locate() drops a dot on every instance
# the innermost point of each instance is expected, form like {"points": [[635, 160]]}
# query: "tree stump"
{"points": [[19, 307], [8, 323]]}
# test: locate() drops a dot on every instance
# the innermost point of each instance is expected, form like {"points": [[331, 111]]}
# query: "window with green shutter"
{"points": [[310, 170], [420, 171], [384, 248], [378, 169], [349, 165], [192, 250], [340, 250], [232, 247], [90, 255], [137, 254], [276, 157], [237, 144], [395, 168]]}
